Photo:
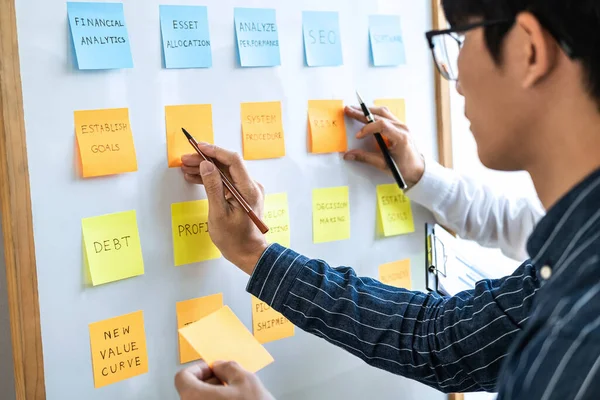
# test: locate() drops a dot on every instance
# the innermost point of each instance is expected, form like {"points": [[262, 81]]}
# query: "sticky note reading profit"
{"points": [[257, 37], [322, 41], [277, 218], [191, 240], [222, 336], [385, 37], [185, 36], [331, 214], [394, 213], [396, 106], [99, 35], [262, 130], [112, 247], [190, 311], [118, 348], [396, 274], [269, 325], [196, 119], [326, 126]]}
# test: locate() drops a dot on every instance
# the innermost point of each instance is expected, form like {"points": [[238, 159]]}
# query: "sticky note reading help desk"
{"points": [[385, 38], [396, 274], [257, 37], [326, 126], [322, 41], [277, 217], [394, 213], [331, 214], [191, 240], [267, 324], [196, 119], [262, 130]]}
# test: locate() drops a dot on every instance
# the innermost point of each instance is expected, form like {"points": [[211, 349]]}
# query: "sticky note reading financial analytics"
{"points": [[326, 127], [257, 37], [277, 217], [196, 119], [99, 35], [322, 41], [396, 106], [385, 37], [191, 240], [118, 348], [269, 325], [331, 214], [394, 213], [112, 247], [185, 36], [396, 274], [190, 311], [262, 130]]}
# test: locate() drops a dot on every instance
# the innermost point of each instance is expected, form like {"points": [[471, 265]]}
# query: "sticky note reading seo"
{"points": [[99, 35], [118, 348], [394, 213], [396, 274], [262, 130], [396, 106], [222, 336], [267, 324], [257, 37], [191, 240], [322, 41], [112, 247], [331, 214], [196, 119], [385, 37], [277, 218], [190, 311], [326, 126], [185, 36]]}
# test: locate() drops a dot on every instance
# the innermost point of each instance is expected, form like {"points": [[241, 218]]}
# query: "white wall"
{"points": [[7, 381]]}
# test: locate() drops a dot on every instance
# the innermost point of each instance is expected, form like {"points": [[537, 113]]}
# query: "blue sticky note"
{"points": [[322, 40], [257, 37], [99, 35], [185, 36], [385, 36]]}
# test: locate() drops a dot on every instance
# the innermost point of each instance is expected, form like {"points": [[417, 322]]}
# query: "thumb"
{"points": [[374, 159], [212, 183], [229, 371]]}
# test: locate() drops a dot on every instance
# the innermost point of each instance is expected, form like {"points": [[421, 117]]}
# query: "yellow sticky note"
{"points": [[118, 348], [191, 240], [105, 142], [221, 336], [112, 247], [277, 218], [267, 324], [396, 274], [331, 214], [326, 126], [262, 130], [396, 107], [190, 311], [196, 119], [394, 213]]}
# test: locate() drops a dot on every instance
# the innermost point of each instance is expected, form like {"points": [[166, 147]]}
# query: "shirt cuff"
{"points": [[434, 187]]}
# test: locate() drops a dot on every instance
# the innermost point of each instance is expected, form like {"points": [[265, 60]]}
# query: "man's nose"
{"points": [[458, 88]]}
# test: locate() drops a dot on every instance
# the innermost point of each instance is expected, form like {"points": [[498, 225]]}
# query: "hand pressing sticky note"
{"points": [[394, 213], [396, 106], [190, 311], [257, 37], [322, 41], [326, 126], [112, 247], [196, 119], [331, 214], [262, 130], [269, 325], [221, 336], [191, 240], [396, 274], [118, 348], [277, 218], [385, 39]]}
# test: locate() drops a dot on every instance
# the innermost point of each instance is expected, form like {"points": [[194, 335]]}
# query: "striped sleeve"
{"points": [[452, 344]]}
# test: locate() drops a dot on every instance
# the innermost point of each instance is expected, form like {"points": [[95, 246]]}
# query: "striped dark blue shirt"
{"points": [[532, 335]]}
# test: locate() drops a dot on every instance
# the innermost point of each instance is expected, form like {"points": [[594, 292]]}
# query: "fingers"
{"points": [[374, 159], [395, 134], [355, 112], [211, 179], [229, 371], [192, 379]]}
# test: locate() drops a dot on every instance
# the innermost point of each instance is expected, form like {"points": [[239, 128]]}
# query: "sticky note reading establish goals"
{"points": [[99, 35], [222, 336], [196, 119], [118, 348], [267, 324], [331, 214], [394, 213], [112, 247], [326, 126], [396, 106], [191, 240], [322, 41], [277, 218], [257, 37], [262, 130], [396, 274], [385, 38]]}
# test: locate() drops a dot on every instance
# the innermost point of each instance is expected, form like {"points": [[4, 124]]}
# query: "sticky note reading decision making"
{"points": [[267, 324], [118, 348], [394, 213], [331, 214], [385, 38], [257, 37], [396, 274], [99, 35], [262, 130], [326, 126], [277, 217], [196, 119], [191, 240], [322, 41]]}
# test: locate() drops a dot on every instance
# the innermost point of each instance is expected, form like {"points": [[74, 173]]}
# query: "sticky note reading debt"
{"points": [[262, 130], [118, 348], [99, 35], [191, 240], [277, 218], [269, 325], [257, 37], [196, 119], [394, 213], [326, 126], [396, 106], [396, 274], [322, 41], [331, 214], [190, 311], [385, 37]]}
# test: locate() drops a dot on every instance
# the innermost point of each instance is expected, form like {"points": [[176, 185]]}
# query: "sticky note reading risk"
{"points": [[394, 213], [322, 41], [262, 130], [396, 106], [257, 37], [99, 35], [118, 348], [112, 247], [331, 214], [196, 119], [191, 240], [326, 126], [269, 325], [385, 37], [277, 218], [190, 311], [222, 336], [396, 274]]}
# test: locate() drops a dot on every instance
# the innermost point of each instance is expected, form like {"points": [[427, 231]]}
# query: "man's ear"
{"points": [[541, 50]]}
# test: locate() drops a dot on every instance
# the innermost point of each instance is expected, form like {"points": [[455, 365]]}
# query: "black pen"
{"points": [[386, 153]]}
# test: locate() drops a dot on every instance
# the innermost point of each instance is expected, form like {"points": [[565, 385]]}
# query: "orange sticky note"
{"points": [[105, 142], [269, 325], [396, 274], [118, 348], [221, 336], [196, 119], [262, 130], [190, 311], [396, 106], [326, 126]]}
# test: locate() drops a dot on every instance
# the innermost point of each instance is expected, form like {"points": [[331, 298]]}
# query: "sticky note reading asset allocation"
{"points": [[99, 35], [257, 37], [277, 218], [394, 213], [191, 240], [331, 214], [269, 325], [196, 119], [190, 311], [326, 126], [322, 41], [396, 274], [385, 37], [262, 130]]}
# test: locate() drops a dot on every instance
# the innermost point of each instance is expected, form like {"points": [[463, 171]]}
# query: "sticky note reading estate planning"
{"points": [[394, 213], [396, 274], [322, 41], [99, 35], [262, 130], [326, 127], [191, 240], [267, 324], [331, 214], [118, 348], [196, 119], [277, 217], [385, 38], [257, 37]]}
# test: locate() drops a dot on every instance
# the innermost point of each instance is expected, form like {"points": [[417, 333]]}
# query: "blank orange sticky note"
{"points": [[396, 106], [396, 274], [262, 130], [196, 119], [221, 336], [105, 142], [326, 126], [269, 325], [190, 311]]}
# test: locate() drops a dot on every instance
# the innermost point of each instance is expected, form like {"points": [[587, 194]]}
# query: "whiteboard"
{"points": [[305, 366]]}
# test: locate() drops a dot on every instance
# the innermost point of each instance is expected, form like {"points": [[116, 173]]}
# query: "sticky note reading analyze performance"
{"points": [[269, 325], [196, 119], [191, 240], [322, 41], [277, 217], [394, 213], [331, 214], [396, 274], [326, 126], [385, 37], [262, 130], [257, 37]]}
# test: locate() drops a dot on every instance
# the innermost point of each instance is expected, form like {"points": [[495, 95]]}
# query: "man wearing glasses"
{"points": [[530, 74]]}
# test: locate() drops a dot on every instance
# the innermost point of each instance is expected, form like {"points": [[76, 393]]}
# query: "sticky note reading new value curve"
{"points": [[190, 311], [257, 37], [262, 130], [394, 213], [396, 274], [385, 38], [322, 41], [326, 126], [277, 217], [191, 240], [196, 119], [269, 325], [331, 214]]}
